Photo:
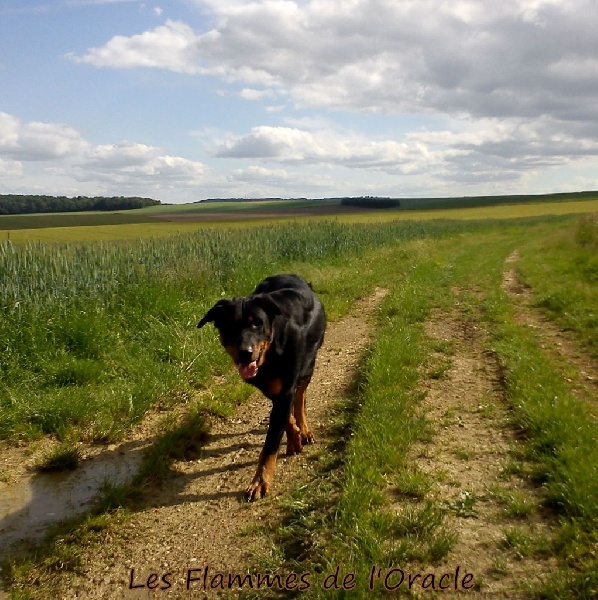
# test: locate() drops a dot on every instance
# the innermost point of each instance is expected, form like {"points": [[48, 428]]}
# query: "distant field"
{"points": [[245, 207], [43, 221], [327, 204], [164, 221], [98, 233]]}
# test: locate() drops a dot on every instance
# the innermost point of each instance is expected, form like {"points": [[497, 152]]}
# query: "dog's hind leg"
{"points": [[307, 437], [294, 445]]}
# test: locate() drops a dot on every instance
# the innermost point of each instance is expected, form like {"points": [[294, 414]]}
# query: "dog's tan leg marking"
{"points": [[294, 445], [260, 485], [274, 387], [307, 437]]}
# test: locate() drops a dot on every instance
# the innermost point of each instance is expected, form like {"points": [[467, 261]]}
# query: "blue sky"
{"points": [[192, 99]]}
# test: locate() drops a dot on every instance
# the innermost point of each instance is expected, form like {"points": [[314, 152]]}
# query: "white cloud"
{"points": [[170, 46], [269, 182], [138, 161], [261, 175], [253, 94], [484, 60], [38, 141], [516, 60], [9, 132], [278, 143], [289, 145], [488, 150], [65, 153], [10, 168]]}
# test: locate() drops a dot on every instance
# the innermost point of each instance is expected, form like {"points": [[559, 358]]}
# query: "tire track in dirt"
{"points": [[198, 518], [583, 376], [466, 458]]}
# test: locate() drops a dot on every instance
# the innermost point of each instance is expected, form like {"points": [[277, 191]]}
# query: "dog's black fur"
{"points": [[273, 337]]}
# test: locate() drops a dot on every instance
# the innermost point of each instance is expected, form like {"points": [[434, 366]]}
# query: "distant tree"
{"points": [[371, 202], [12, 204]]}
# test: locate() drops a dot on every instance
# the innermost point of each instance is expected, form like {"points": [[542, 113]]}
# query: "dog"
{"points": [[273, 337]]}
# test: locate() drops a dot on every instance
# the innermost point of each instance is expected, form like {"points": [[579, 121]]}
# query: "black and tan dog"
{"points": [[273, 337]]}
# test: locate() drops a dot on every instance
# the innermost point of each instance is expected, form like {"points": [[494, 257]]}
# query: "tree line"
{"points": [[13, 204], [371, 202]]}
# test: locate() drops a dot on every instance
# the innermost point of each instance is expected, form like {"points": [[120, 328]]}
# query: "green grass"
{"points": [[93, 336], [560, 434], [98, 337], [377, 449], [61, 554], [561, 445], [65, 457], [517, 504], [571, 258]]}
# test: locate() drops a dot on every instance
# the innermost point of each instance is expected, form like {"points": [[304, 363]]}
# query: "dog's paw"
{"points": [[294, 445], [256, 490], [308, 438]]}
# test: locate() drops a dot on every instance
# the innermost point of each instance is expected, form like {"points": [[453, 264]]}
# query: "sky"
{"points": [[192, 99]]}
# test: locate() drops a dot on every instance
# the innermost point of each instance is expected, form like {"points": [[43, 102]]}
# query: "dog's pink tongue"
{"points": [[248, 371]]}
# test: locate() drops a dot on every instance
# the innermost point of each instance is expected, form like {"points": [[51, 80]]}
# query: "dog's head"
{"points": [[246, 329]]}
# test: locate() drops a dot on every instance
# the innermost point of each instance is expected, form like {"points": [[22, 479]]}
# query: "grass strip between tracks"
{"points": [[344, 523]]}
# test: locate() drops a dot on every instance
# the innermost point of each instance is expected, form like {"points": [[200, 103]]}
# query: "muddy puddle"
{"points": [[30, 505]]}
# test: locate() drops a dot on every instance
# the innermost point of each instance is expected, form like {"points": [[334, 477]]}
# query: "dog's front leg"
{"points": [[279, 417]]}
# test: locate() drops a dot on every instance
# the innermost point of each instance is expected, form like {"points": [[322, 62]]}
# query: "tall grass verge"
{"points": [[561, 446], [569, 257], [93, 335]]}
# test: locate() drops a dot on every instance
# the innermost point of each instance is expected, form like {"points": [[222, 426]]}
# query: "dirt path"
{"points": [[198, 518], [580, 369], [470, 448]]}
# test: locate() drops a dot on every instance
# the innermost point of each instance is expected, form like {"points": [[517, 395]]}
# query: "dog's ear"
{"points": [[212, 314], [273, 309], [268, 305]]}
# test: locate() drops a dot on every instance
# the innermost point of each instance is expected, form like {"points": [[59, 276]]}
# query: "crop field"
{"points": [[456, 422], [45, 221], [164, 221]]}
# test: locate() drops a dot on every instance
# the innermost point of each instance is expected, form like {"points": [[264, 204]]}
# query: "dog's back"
{"points": [[284, 282], [299, 304]]}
